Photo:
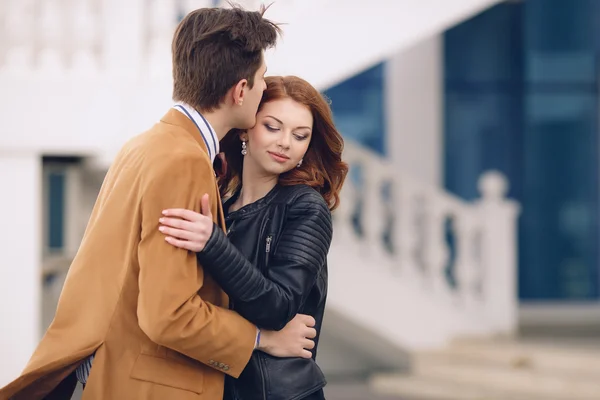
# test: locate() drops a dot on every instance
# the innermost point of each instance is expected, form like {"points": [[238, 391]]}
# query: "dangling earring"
{"points": [[299, 164], [244, 148]]}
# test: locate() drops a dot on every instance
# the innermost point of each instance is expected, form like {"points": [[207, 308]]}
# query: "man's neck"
{"points": [[219, 121]]}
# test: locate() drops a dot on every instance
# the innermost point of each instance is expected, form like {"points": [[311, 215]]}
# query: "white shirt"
{"points": [[206, 130]]}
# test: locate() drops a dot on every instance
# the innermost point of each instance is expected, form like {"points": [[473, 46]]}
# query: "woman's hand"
{"points": [[187, 229]]}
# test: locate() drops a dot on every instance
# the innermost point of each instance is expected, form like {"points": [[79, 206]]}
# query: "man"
{"points": [[155, 324]]}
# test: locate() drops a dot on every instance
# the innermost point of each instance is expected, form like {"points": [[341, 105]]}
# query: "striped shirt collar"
{"points": [[206, 130]]}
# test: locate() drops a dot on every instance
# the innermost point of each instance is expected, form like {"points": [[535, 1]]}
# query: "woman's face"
{"points": [[280, 138]]}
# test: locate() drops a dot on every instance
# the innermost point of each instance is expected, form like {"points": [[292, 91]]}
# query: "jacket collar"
{"points": [[174, 117], [249, 209], [207, 132]]}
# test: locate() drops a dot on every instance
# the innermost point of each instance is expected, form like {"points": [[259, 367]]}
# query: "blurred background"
{"points": [[465, 263]]}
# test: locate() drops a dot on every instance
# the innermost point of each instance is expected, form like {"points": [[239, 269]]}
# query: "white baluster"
{"points": [[466, 269], [251, 5], [372, 219], [51, 36], [86, 21], [187, 6], [499, 216], [404, 234], [344, 229], [20, 37], [3, 31], [420, 237], [162, 23], [437, 248], [124, 37]]}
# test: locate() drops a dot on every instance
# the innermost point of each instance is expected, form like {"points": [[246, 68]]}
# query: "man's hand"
{"points": [[188, 229], [294, 340]]}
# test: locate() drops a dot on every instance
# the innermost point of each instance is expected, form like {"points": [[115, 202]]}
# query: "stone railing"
{"points": [[91, 37], [463, 253], [52, 35]]}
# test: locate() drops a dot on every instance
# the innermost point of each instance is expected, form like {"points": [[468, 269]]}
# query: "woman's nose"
{"points": [[284, 141]]}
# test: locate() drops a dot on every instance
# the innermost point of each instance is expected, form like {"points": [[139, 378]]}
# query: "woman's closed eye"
{"points": [[271, 128], [298, 136]]}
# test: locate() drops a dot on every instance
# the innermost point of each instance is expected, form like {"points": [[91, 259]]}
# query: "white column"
{"points": [[161, 24], [75, 220], [20, 255], [414, 101]]}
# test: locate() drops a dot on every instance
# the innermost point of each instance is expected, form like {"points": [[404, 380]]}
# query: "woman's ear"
{"points": [[244, 136], [220, 165]]}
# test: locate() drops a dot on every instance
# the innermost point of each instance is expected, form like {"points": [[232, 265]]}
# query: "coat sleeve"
{"points": [[170, 311], [272, 301]]}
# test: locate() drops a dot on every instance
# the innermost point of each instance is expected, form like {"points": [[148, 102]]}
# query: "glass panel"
{"points": [[483, 99], [56, 210], [522, 97], [559, 222], [358, 108], [485, 49], [482, 133]]}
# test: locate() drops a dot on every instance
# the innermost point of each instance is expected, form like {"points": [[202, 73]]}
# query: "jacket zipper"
{"points": [[269, 240], [268, 250], [228, 232], [260, 360], [262, 377], [231, 305]]}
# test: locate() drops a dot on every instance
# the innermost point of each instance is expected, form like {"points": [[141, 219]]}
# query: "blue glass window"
{"points": [[56, 210], [358, 108], [521, 96]]}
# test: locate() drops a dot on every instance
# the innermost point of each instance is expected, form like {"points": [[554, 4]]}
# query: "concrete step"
{"points": [[422, 388], [501, 370], [516, 380], [549, 360]]}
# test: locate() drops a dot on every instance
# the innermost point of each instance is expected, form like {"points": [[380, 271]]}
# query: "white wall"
{"points": [[414, 80], [344, 37], [20, 238], [127, 85]]}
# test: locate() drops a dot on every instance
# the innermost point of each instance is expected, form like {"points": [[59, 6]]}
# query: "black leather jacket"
{"points": [[272, 264]]}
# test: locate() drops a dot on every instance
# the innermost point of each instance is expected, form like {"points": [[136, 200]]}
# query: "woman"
{"points": [[283, 177]]}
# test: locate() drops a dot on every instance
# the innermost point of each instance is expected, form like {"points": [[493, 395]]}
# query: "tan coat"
{"points": [[158, 324]]}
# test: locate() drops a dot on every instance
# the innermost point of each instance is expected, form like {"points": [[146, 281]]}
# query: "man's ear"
{"points": [[239, 91]]}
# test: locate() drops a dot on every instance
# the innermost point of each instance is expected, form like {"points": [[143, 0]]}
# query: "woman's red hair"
{"points": [[322, 167]]}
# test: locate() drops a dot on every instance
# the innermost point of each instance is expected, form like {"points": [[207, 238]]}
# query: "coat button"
{"points": [[221, 365], [211, 362], [226, 368]]}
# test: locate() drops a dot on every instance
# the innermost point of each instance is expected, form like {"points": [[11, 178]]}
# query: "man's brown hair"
{"points": [[215, 48]]}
